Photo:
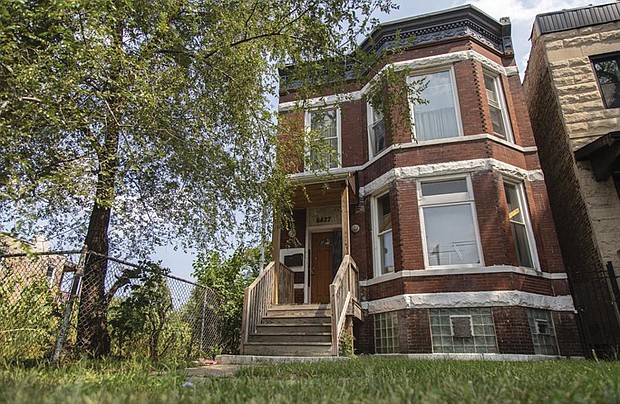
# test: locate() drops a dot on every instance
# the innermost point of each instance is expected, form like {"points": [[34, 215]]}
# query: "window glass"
{"points": [[325, 123], [518, 225], [450, 235], [448, 220], [607, 71], [384, 234], [444, 187], [495, 105], [437, 118], [376, 131]]}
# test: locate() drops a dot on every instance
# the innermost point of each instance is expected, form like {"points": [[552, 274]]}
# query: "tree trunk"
{"points": [[93, 337]]}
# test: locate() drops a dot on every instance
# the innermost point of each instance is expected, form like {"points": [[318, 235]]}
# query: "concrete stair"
{"points": [[292, 330]]}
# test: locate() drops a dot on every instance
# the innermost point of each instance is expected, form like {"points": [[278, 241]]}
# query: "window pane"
{"points": [[608, 75], [524, 257], [518, 226], [387, 252], [384, 212], [495, 107], [497, 120], [444, 187], [325, 123], [450, 235], [384, 233], [437, 118]]}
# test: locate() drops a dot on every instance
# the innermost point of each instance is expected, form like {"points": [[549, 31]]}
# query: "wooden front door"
{"points": [[321, 270]]}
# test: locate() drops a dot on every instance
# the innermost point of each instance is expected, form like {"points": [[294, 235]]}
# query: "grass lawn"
{"points": [[358, 380]]}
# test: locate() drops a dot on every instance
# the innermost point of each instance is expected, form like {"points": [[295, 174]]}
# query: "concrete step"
{"points": [[287, 349], [287, 328], [298, 337]]}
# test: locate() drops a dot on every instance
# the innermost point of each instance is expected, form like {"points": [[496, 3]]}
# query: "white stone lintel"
{"points": [[449, 168], [509, 298], [493, 269]]}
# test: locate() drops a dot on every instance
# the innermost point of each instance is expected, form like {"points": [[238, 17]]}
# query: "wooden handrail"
{"points": [[262, 294], [342, 292]]}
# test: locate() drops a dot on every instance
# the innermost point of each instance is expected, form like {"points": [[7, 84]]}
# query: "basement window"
{"points": [[543, 332], [463, 330], [607, 70], [386, 332]]}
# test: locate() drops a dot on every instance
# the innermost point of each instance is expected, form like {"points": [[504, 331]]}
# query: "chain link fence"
{"points": [[57, 304]]}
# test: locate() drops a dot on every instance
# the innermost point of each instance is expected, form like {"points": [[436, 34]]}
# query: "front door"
{"points": [[321, 270]]}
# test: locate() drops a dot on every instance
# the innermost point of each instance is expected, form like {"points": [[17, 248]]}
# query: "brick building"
{"points": [[573, 95], [446, 217]]}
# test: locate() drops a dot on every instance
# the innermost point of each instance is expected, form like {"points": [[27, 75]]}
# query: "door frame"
{"points": [[309, 231]]}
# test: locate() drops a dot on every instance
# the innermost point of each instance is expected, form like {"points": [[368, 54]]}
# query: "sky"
{"points": [[521, 13]]}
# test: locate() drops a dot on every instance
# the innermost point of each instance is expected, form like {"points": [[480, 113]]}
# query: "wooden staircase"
{"points": [[293, 330], [273, 326]]}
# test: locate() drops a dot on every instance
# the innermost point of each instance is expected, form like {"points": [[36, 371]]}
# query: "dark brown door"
{"points": [[321, 271]]}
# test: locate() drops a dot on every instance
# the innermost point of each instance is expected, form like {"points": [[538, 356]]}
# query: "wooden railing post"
{"points": [[276, 256]]}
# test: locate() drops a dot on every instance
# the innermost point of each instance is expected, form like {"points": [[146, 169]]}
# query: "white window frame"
{"points": [[376, 245], [370, 124], [455, 97], [447, 200], [529, 231], [499, 91], [308, 128]]}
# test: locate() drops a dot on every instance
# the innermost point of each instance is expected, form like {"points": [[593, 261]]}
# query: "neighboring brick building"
{"points": [[448, 219], [573, 95]]}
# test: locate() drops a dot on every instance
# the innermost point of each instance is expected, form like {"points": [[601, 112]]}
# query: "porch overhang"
{"points": [[604, 155]]}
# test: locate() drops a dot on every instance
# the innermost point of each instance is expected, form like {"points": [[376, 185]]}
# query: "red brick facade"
{"points": [[486, 160]]}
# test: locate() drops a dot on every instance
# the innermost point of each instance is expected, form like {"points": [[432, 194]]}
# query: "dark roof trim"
{"points": [[603, 153], [456, 22], [564, 20]]}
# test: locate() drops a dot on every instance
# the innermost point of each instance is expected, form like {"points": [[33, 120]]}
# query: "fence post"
{"points": [[202, 326], [75, 290]]}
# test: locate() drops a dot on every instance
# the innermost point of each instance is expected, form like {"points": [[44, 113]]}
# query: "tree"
{"points": [[130, 123], [228, 278]]}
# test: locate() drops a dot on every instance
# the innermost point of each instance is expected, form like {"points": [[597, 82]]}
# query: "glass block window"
{"points": [[543, 332], [386, 332], [466, 330]]}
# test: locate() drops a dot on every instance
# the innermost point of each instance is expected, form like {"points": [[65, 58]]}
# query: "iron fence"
{"points": [[73, 302]]}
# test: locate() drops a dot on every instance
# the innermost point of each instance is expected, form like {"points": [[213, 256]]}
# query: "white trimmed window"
{"points": [[326, 123], [449, 223], [438, 117], [497, 107], [520, 225], [382, 235], [377, 140]]}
